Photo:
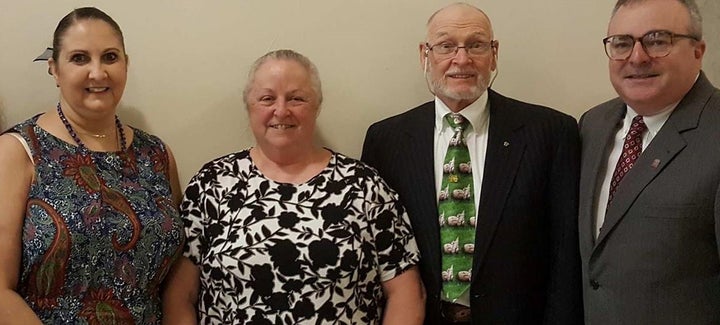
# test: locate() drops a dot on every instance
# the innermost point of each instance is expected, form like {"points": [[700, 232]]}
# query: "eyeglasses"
{"points": [[657, 44], [448, 50]]}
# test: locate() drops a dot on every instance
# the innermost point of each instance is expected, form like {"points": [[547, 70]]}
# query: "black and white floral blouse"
{"points": [[276, 253]]}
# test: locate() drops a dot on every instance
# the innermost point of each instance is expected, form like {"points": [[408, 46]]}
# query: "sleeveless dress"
{"points": [[97, 245]]}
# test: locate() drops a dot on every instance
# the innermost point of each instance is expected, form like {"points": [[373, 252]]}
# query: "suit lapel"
{"points": [[666, 145], [505, 148], [421, 149], [419, 157], [595, 150]]}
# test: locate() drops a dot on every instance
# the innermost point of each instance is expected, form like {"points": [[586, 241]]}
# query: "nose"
{"points": [[97, 71], [461, 55], [281, 108], [638, 54]]}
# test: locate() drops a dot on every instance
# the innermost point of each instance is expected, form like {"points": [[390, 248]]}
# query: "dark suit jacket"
{"points": [[656, 258], [526, 267]]}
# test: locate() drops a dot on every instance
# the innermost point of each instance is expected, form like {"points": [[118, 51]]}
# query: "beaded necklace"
{"points": [[126, 156], [75, 137]]}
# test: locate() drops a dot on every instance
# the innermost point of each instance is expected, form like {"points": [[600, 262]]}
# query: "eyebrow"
{"points": [[86, 51]]}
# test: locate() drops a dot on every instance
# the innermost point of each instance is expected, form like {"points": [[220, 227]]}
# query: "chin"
{"points": [[469, 94], [280, 142], [459, 92], [100, 105], [640, 97]]}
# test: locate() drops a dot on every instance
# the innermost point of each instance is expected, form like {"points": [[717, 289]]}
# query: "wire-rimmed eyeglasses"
{"points": [[447, 49], [656, 43]]}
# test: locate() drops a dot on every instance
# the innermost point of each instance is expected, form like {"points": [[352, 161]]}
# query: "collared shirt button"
{"points": [[594, 284]]}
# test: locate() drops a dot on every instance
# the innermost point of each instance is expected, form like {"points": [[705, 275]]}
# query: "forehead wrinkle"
{"points": [[466, 28], [473, 35]]}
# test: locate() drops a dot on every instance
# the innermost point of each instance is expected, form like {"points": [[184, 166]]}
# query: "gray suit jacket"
{"points": [[656, 259]]}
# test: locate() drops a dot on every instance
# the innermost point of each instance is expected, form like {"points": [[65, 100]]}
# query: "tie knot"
{"points": [[638, 125], [456, 121]]}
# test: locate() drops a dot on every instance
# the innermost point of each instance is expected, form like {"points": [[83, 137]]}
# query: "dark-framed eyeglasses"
{"points": [[656, 43], [448, 49]]}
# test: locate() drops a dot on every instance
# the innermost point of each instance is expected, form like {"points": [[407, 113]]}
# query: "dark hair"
{"points": [[695, 28], [85, 13]]}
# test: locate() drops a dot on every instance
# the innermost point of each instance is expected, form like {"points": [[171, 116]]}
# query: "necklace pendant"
{"points": [[97, 136], [73, 134]]}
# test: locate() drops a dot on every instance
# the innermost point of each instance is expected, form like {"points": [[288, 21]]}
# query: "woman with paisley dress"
{"points": [[289, 232], [89, 225]]}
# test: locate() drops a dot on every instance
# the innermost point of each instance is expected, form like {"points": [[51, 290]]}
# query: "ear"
{"points": [[52, 69], [700, 49], [423, 51], [495, 50]]}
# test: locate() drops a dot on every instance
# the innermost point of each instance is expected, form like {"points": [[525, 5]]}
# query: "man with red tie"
{"points": [[650, 174]]}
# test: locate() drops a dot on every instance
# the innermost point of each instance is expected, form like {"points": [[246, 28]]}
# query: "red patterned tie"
{"points": [[632, 148]]}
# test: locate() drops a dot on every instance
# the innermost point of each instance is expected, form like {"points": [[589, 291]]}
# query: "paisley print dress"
{"points": [[100, 231], [278, 253]]}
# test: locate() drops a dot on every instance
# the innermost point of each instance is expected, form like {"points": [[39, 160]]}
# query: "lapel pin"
{"points": [[506, 144], [655, 163]]}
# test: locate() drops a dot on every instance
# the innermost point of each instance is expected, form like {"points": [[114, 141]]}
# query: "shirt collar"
{"points": [[653, 122], [656, 121], [476, 113]]}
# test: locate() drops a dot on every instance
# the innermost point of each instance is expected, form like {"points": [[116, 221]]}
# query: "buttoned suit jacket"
{"points": [[655, 260], [526, 266]]}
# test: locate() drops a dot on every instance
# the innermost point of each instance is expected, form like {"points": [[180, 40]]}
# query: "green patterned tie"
{"points": [[457, 212]]}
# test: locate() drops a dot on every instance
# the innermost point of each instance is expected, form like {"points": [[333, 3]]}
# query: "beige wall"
{"points": [[188, 61]]}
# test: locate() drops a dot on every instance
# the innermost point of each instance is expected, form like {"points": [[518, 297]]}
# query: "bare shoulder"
{"points": [[14, 160], [16, 174], [11, 149]]}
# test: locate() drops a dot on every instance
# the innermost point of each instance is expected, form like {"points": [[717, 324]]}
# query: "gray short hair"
{"points": [[289, 55], [695, 28]]}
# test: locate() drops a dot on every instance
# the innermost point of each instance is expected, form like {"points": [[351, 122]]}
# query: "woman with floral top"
{"points": [[289, 232]]}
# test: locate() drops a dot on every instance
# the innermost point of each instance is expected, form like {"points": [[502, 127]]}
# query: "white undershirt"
{"points": [[24, 144], [478, 115], [653, 123]]}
